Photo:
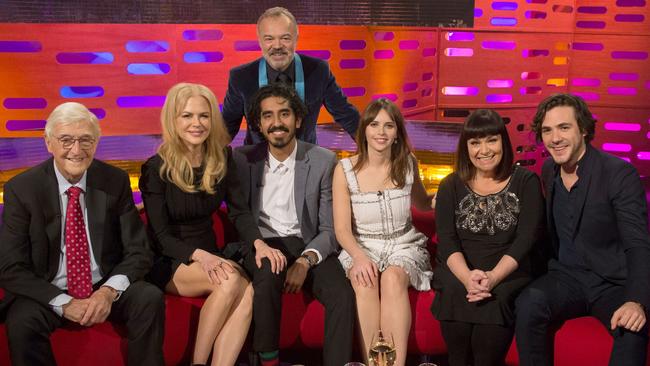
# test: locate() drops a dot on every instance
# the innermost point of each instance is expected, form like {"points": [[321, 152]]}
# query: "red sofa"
{"points": [[302, 324], [579, 342]]}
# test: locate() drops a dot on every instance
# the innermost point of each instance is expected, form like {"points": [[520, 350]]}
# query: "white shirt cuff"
{"points": [[58, 302], [118, 282], [320, 257]]}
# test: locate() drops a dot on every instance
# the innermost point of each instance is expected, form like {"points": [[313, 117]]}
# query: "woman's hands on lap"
{"points": [[215, 267], [476, 286], [364, 271]]}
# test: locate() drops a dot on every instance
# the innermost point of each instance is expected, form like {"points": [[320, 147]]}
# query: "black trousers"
{"points": [[327, 283], [141, 307], [476, 344], [563, 294]]}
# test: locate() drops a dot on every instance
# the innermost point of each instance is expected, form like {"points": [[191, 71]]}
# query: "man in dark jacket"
{"points": [[277, 32], [596, 212], [73, 248]]}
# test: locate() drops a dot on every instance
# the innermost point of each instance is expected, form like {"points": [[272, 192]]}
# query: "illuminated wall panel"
{"points": [[524, 15], [124, 71], [493, 69], [517, 53], [625, 132], [611, 70], [607, 16]]}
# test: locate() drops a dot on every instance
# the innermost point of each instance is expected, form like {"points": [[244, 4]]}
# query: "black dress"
{"points": [[181, 222], [484, 229]]}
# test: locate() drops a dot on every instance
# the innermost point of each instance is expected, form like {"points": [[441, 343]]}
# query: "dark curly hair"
{"points": [[586, 121], [280, 90]]}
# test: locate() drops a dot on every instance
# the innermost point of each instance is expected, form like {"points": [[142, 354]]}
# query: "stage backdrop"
{"points": [[515, 54]]}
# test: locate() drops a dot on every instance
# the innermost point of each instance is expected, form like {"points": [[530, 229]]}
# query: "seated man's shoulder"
{"points": [[250, 154], [613, 168], [107, 169], [108, 176], [244, 150], [318, 151], [612, 161], [31, 181], [33, 174]]}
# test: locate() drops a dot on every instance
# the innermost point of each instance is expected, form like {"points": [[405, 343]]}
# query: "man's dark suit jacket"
{"points": [[611, 234], [320, 89], [30, 239]]}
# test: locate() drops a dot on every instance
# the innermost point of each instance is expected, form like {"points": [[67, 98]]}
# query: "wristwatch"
{"points": [[312, 262]]}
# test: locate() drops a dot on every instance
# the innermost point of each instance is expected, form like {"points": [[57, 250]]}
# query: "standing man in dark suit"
{"points": [[277, 32], [73, 248], [288, 186], [596, 212]]}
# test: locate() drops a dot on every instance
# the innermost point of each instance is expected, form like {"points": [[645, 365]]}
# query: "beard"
{"points": [[280, 142]]}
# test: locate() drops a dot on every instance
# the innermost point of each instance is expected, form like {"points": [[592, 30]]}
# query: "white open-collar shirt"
{"points": [[278, 216]]}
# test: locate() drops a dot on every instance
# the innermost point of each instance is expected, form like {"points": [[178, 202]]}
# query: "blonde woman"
{"points": [[182, 186]]}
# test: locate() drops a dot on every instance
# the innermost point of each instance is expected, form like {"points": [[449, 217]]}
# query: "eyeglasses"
{"points": [[85, 143]]}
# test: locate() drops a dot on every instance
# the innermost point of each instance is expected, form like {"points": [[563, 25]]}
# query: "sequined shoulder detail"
{"points": [[490, 213], [350, 177]]}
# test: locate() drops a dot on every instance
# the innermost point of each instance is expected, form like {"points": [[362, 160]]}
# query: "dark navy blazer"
{"points": [[611, 232], [320, 89]]}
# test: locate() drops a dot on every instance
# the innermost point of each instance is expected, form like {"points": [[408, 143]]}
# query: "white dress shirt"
{"points": [[118, 282], [278, 216]]}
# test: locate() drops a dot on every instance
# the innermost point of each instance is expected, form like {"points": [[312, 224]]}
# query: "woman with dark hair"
{"points": [[489, 215], [382, 252], [182, 186]]}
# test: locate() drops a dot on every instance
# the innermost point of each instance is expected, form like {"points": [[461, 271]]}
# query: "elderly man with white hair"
{"points": [[73, 248]]}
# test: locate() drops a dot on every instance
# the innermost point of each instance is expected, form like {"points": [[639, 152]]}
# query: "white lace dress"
{"points": [[381, 224]]}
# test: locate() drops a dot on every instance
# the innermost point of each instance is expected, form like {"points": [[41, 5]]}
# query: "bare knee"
{"points": [[232, 287], [394, 281], [365, 292]]}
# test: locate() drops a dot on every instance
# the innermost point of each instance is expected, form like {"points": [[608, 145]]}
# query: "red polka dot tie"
{"points": [[76, 248]]}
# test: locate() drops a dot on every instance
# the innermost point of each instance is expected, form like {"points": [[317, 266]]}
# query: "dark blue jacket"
{"points": [[320, 89]]}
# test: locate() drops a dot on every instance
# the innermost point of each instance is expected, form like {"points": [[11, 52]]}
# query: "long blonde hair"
{"points": [[176, 166]]}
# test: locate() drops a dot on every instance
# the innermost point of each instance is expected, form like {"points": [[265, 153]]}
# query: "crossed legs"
{"points": [[225, 315]]}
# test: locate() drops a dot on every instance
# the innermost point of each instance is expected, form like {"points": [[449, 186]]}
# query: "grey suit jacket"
{"points": [[312, 187]]}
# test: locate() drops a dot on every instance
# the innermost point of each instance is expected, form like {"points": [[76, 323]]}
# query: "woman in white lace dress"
{"points": [[383, 254]]}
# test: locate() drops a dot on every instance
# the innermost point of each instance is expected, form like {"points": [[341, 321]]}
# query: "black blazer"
{"points": [[611, 234], [320, 89], [30, 238]]}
